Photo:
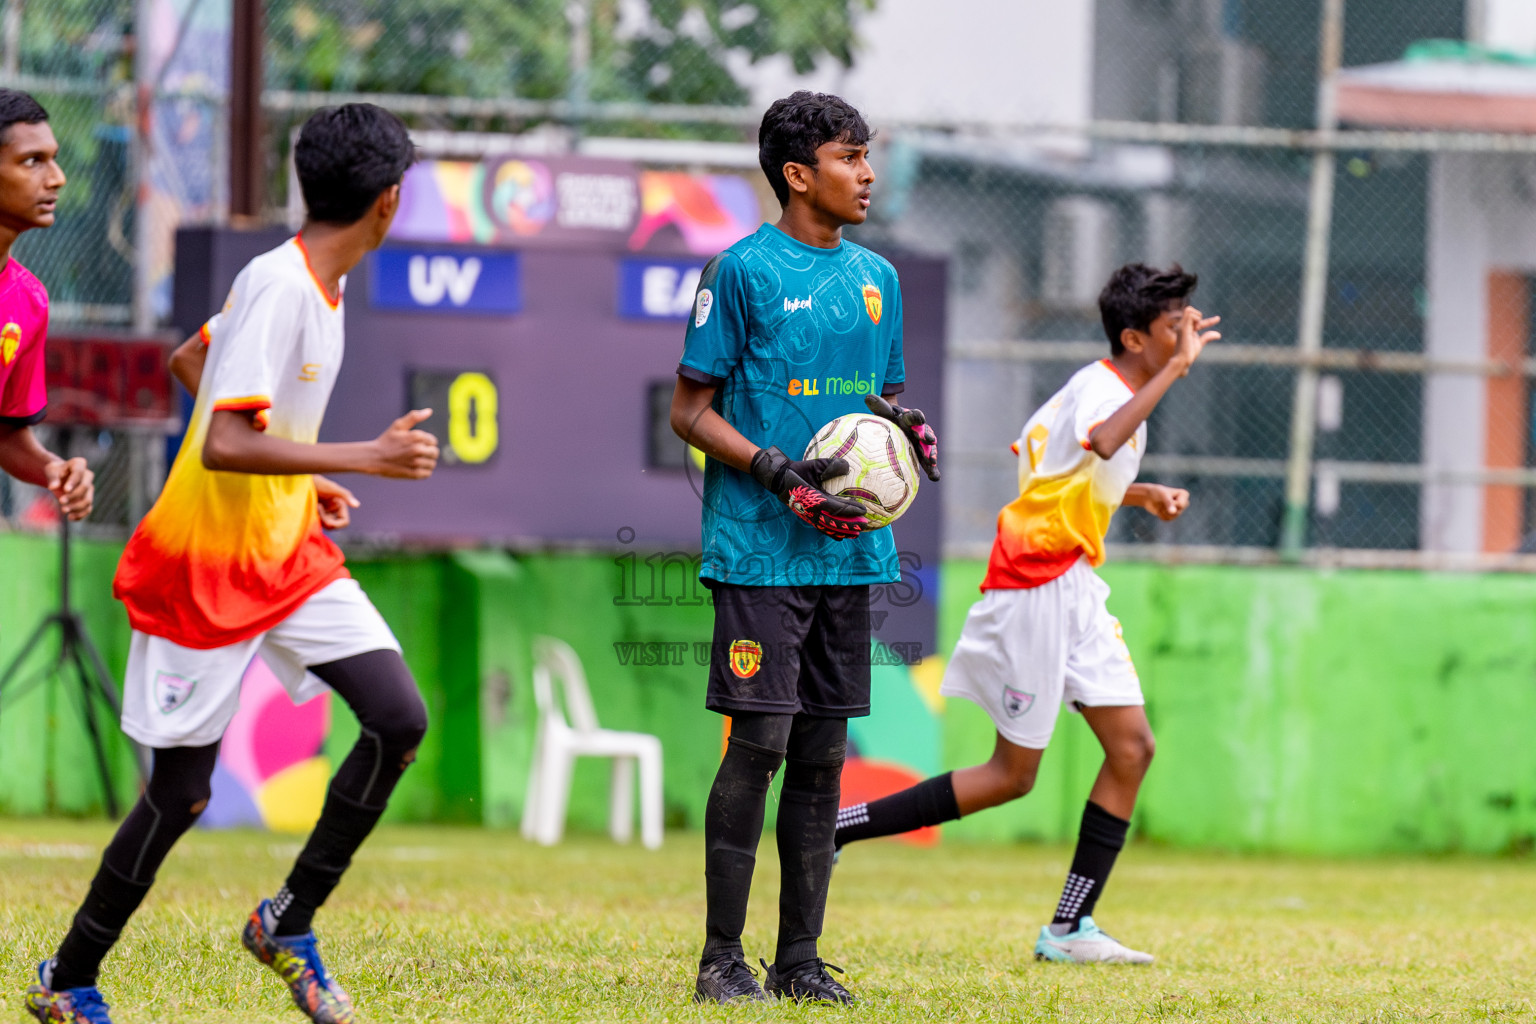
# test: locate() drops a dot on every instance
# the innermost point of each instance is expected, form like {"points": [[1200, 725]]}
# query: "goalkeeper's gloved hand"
{"points": [[925, 443], [798, 485]]}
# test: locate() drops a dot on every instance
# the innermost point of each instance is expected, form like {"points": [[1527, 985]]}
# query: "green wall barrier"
{"points": [[1317, 712], [46, 762], [1326, 712]]}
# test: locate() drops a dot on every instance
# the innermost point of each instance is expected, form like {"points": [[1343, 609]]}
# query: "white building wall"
{"points": [[1503, 24], [1482, 218], [987, 61]]}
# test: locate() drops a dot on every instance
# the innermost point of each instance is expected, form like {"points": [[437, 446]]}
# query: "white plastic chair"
{"points": [[560, 742]]}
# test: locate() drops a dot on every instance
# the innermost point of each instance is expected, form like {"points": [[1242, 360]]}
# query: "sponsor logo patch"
{"points": [[172, 691], [746, 657], [10, 341], [1017, 702], [873, 304], [795, 305], [701, 307]]}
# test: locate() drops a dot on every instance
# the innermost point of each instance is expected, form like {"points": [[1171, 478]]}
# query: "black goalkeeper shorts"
{"points": [[790, 650]]}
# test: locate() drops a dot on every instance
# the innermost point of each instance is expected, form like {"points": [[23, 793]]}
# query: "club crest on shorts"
{"points": [[746, 656], [1016, 702], [172, 691]]}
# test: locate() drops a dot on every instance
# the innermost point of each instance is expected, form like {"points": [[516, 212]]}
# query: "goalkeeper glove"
{"points": [[925, 443], [798, 485]]}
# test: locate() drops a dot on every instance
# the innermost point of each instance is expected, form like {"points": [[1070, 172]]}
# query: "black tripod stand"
{"points": [[93, 681]]}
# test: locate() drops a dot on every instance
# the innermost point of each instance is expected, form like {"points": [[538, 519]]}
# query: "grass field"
{"points": [[453, 924]]}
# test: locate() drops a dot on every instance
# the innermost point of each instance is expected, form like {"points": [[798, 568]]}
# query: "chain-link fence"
{"points": [[1160, 130]]}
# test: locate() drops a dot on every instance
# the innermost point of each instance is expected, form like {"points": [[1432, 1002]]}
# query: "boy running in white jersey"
{"points": [[233, 561], [1041, 635]]}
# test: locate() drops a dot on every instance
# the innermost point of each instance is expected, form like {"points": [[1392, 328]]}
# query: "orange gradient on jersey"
{"points": [[222, 557], [1046, 529]]}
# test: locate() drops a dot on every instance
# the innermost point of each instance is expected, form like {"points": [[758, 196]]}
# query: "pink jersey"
{"points": [[23, 332]]}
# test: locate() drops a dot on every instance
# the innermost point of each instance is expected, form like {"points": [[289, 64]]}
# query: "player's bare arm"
{"points": [[335, 501], [402, 452], [187, 363], [1152, 361], [1167, 503], [694, 420], [797, 484], [69, 480]]}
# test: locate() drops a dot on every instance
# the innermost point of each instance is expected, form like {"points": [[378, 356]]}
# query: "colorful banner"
{"points": [[271, 771], [518, 201]]}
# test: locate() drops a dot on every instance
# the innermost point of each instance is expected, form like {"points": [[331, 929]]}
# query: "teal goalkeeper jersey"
{"points": [[792, 336]]}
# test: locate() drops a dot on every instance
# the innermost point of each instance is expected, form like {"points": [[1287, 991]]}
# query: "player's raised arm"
{"points": [[1151, 361]]}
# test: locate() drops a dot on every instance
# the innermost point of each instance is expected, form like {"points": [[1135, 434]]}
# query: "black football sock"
{"points": [[733, 826], [177, 791], [813, 769], [930, 802], [1099, 841], [392, 720]]}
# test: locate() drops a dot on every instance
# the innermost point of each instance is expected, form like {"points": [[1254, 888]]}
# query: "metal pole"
{"points": [[1314, 289], [247, 163], [12, 58], [579, 14]]}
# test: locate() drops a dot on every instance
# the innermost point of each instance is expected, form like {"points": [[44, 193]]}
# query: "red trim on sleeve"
{"points": [[206, 335], [1088, 444], [253, 403]]}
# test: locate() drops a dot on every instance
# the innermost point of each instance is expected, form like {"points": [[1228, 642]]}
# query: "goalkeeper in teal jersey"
{"points": [[792, 327]]}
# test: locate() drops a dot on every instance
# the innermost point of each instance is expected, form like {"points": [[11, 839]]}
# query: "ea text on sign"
{"points": [[651, 289]]}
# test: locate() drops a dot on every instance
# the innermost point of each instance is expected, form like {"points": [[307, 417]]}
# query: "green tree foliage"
{"points": [[666, 51]]}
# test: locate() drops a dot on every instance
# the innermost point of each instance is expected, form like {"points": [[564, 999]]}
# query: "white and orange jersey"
{"points": [[1067, 494], [223, 556]]}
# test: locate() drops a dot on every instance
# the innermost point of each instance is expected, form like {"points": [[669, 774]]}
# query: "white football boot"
{"points": [[1087, 945]]}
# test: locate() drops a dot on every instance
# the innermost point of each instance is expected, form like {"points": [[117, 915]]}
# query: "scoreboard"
{"points": [[548, 360]]}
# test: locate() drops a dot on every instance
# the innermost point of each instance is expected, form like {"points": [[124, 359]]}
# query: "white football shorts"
{"points": [[1024, 653], [176, 696]]}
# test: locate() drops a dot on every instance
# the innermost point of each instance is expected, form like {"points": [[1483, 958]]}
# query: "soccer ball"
{"points": [[882, 472]]}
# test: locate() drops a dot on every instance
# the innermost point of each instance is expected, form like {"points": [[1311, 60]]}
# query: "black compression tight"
{"points": [[811, 750], [382, 694], [177, 791], [392, 719]]}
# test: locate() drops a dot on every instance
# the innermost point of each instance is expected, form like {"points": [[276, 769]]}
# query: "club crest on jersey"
{"points": [[10, 341], [746, 657], [1016, 702], [172, 691], [873, 305]]}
